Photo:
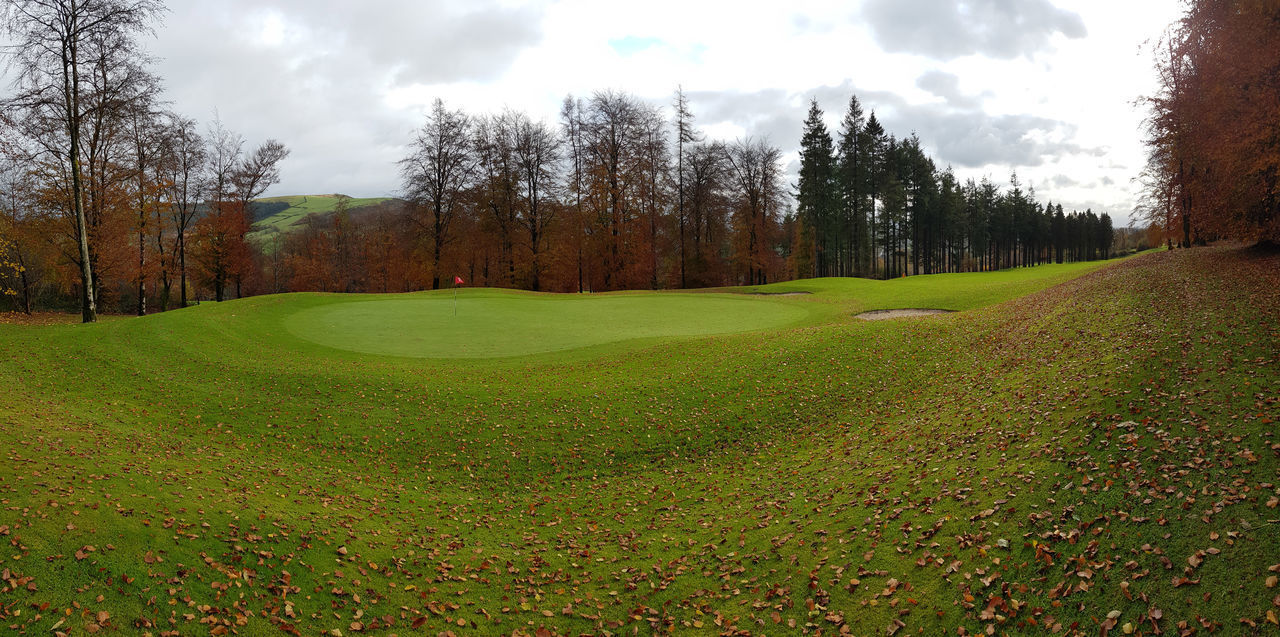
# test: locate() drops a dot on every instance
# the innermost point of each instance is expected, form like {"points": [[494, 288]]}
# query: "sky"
{"points": [[1044, 87]]}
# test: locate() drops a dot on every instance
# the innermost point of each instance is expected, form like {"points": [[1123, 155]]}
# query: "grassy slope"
{"points": [[300, 206], [839, 473]]}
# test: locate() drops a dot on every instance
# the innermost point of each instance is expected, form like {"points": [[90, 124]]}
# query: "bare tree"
{"points": [[440, 167], [614, 133], [494, 144], [704, 177], [251, 178], [257, 172], [685, 134], [537, 155], [146, 134], [216, 243], [757, 177], [57, 46], [186, 158], [571, 125]]}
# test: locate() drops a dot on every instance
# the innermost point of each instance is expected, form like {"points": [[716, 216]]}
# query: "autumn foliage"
{"points": [[1214, 152]]}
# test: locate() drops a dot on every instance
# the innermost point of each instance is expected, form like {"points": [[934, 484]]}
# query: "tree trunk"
{"points": [[71, 83], [142, 280], [182, 265]]}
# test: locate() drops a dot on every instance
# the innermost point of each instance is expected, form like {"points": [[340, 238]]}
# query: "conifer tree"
{"points": [[815, 196]]}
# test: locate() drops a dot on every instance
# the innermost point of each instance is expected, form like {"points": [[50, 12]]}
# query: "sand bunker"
{"points": [[881, 315]]}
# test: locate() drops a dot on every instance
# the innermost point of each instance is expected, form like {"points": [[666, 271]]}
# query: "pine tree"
{"points": [[873, 152], [815, 192], [852, 184]]}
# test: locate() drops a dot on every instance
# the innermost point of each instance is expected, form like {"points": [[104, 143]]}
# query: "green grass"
{"points": [[489, 324], [302, 206], [1070, 431]]}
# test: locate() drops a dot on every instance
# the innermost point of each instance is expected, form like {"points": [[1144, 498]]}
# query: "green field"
{"points": [[490, 324], [1078, 440], [299, 207]]}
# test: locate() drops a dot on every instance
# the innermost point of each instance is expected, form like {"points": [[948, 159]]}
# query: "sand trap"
{"points": [[881, 315]]}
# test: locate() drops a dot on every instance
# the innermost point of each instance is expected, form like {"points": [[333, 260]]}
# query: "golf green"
{"points": [[490, 325]]}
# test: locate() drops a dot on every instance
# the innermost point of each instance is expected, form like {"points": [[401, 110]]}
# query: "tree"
{"points": [[815, 196], [436, 174], [498, 179], [685, 134], [146, 134], [851, 184], [186, 158], [216, 233], [537, 158], [757, 179], [1213, 156], [615, 129], [705, 184], [571, 128], [873, 157], [60, 48]]}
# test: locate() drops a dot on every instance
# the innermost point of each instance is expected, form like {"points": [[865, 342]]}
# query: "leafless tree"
{"points": [[439, 169], [537, 155], [186, 159], [498, 179], [685, 134], [757, 178]]}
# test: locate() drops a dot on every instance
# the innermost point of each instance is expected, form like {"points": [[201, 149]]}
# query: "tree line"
{"points": [[617, 195], [872, 205], [106, 197], [1213, 168]]}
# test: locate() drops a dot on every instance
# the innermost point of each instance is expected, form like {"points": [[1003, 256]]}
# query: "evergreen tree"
{"points": [[873, 152], [851, 182], [815, 197]]}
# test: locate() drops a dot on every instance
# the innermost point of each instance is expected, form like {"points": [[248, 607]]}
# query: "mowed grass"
{"points": [[489, 324], [1080, 440]]}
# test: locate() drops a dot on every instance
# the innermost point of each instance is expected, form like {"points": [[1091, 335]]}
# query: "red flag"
{"points": [[457, 280]]}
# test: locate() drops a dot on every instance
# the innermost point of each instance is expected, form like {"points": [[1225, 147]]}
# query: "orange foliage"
{"points": [[1214, 168]]}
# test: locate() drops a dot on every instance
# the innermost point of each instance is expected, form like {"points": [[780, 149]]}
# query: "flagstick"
{"points": [[455, 300]]}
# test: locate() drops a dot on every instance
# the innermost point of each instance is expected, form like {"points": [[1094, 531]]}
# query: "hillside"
{"points": [[275, 215], [1079, 449]]}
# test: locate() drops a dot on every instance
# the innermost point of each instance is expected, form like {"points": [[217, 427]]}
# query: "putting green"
{"points": [[493, 325]]}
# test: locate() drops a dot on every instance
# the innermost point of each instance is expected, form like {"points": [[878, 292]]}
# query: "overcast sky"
{"points": [[1045, 87]]}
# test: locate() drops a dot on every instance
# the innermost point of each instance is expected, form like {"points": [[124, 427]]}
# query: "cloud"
{"points": [[947, 86], [315, 74], [947, 29], [964, 137], [1064, 181], [427, 41]]}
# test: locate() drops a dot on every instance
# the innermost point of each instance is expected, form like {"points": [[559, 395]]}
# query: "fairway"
{"points": [[488, 324], [1055, 452]]}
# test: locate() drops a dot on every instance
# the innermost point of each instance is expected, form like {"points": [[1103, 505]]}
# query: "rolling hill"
{"points": [[277, 215]]}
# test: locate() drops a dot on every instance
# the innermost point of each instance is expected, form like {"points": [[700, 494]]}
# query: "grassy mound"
{"points": [[1105, 446], [488, 324]]}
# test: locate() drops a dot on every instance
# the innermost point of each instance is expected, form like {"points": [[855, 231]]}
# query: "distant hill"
{"points": [[277, 215]]}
